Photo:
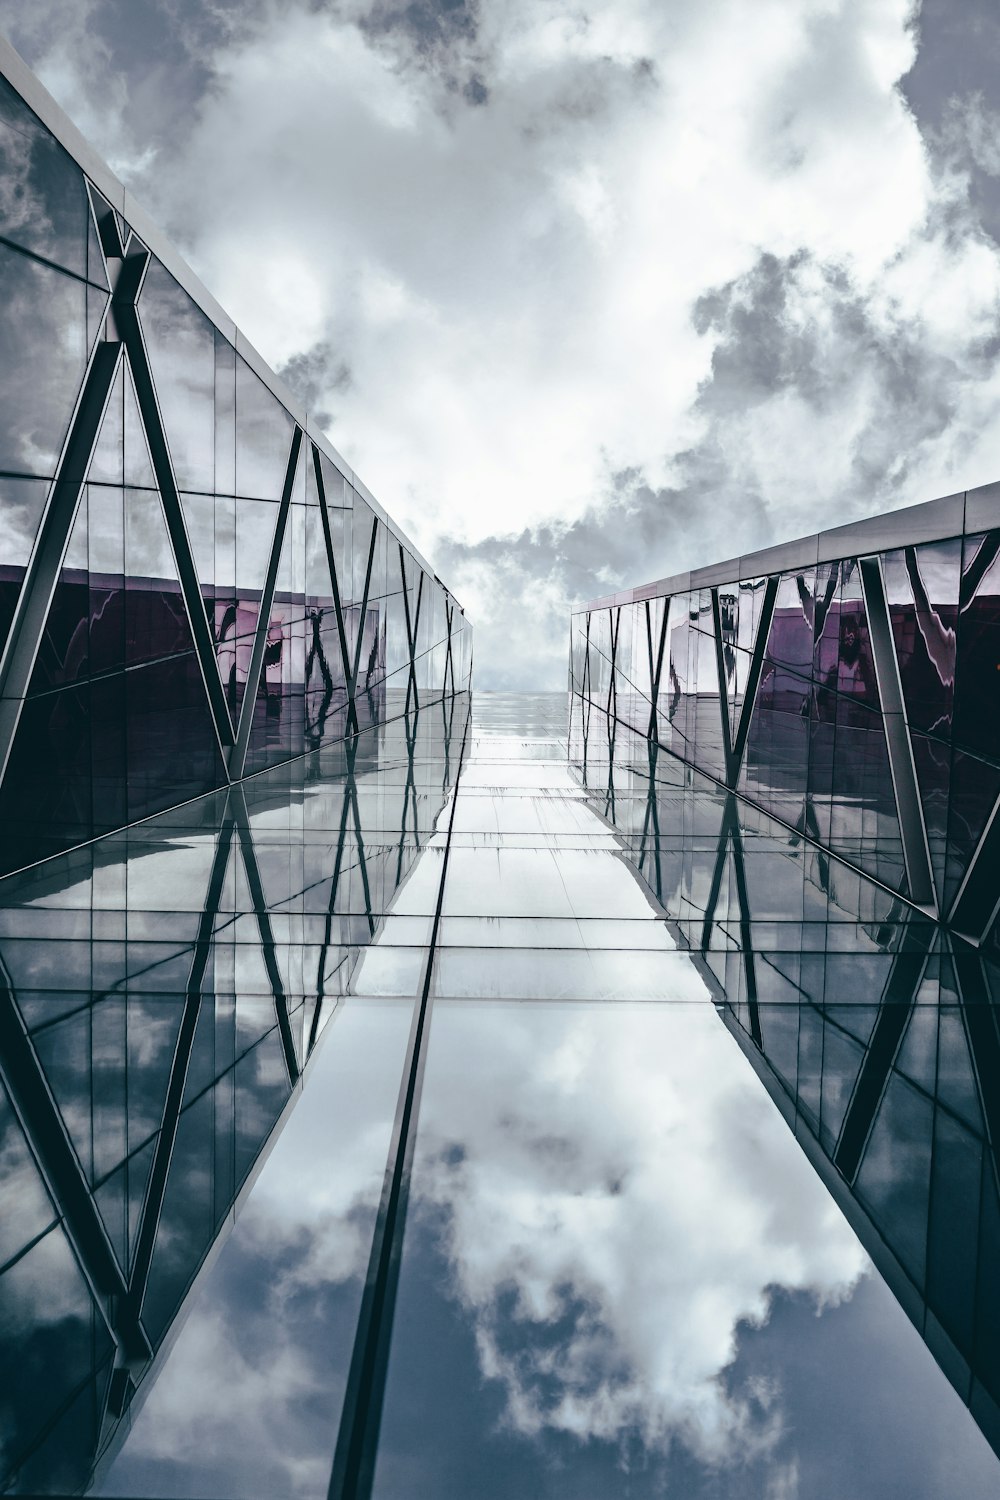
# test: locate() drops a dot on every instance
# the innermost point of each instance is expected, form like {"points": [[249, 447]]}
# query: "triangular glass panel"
{"points": [[23, 503], [97, 308], [790, 638], [156, 622], [779, 1028], [855, 663], [204, 517], [138, 467], [975, 790], [956, 1084], [932, 760], [65, 651], [64, 1051], [336, 488], [917, 1055], [153, 1024], [274, 733], [978, 652], [922, 590], [96, 270], [187, 1221], [185, 386], [318, 583], [262, 1090], [255, 522], [138, 1166], [865, 818], [365, 523], [110, 1198], [842, 1058], [361, 634], [263, 435], [324, 672], [256, 973], [894, 1185]]}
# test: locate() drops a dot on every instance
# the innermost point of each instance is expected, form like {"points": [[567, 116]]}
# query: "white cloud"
{"points": [[511, 286], [652, 1208]]}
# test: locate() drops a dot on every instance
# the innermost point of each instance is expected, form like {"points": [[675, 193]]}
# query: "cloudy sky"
{"points": [[588, 292]]}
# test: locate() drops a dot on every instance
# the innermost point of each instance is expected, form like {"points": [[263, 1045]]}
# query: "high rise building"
{"points": [[388, 1075], [824, 715]]}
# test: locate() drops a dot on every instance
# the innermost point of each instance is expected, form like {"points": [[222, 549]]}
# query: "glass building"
{"points": [[396, 1081], [799, 750]]}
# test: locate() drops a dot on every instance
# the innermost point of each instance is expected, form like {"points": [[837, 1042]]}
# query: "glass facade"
{"points": [[193, 587], [381, 1105], [802, 764]]}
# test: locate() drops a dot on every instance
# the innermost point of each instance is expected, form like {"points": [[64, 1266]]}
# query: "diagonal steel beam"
{"points": [[977, 901], [753, 677], [127, 321], [730, 835], [979, 1018], [238, 753], [45, 564], [720, 666], [352, 686], [40, 1117], [614, 624], [411, 634], [156, 1187], [338, 605], [895, 1005], [916, 850], [652, 818], [655, 674], [263, 919], [449, 610], [350, 747]]}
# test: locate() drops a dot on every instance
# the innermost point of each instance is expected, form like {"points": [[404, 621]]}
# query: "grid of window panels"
{"points": [[193, 586], [799, 754], [164, 993]]}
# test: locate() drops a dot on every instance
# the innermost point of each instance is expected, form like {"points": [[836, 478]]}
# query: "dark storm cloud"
{"points": [[440, 37], [959, 54], [952, 90], [430, 27], [764, 349], [314, 376], [162, 50]]}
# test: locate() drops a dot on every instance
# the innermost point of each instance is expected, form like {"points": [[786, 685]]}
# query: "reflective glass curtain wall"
{"points": [[193, 586], [232, 699], [807, 743]]}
